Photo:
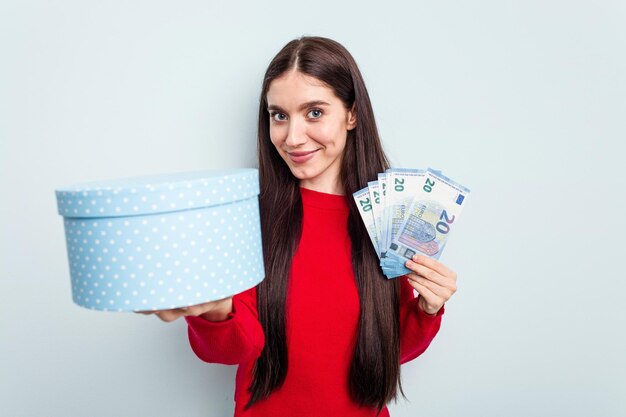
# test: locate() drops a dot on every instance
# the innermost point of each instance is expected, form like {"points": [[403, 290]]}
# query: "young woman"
{"points": [[325, 333]]}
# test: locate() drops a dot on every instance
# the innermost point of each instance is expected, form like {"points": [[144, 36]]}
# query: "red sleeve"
{"points": [[417, 328], [237, 339]]}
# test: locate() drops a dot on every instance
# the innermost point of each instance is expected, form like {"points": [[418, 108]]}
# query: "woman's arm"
{"points": [[420, 318], [231, 338], [417, 327]]}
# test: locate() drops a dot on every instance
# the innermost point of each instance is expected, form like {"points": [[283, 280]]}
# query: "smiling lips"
{"points": [[300, 157]]}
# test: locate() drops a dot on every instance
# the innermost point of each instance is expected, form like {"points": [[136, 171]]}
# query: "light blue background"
{"points": [[523, 102]]}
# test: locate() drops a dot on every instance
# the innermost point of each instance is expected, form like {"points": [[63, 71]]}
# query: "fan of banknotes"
{"points": [[408, 212]]}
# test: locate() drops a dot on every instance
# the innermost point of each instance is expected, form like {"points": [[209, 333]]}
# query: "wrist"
{"points": [[421, 304], [219, 312]]}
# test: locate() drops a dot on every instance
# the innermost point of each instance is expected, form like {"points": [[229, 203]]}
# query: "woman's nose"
{"points": [[296, 135]]}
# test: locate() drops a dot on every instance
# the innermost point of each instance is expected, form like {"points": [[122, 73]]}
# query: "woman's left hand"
{"points": [[434, 281]]}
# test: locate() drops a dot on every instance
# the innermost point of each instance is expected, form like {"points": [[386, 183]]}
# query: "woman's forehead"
{"points": [[295, 88]]}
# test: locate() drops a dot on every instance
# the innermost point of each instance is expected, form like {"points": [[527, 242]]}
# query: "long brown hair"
{"points": [[375, 369]]}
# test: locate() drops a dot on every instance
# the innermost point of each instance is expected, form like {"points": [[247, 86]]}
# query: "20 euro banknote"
{"points": [[429, 220]]}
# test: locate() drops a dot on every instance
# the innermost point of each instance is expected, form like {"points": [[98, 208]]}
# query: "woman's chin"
{"points": [[299, 173]]}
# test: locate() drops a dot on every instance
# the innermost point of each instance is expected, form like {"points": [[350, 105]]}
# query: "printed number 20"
{"points": [[428, 187], [443, 226], [367, 206], [399, 184]]}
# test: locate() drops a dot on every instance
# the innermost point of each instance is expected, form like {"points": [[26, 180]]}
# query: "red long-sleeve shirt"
{"points": [[322, 311]]}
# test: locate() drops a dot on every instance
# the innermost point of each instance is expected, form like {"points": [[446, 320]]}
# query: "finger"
{"points": [[168, 315], [195, 310], [171, 314], [429, 296], [427, 273], [148, 312], [441, 292], [434, 265]]}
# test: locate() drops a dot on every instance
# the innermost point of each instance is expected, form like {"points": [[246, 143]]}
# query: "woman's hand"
{"points": [[213, 311], [433, 281]]}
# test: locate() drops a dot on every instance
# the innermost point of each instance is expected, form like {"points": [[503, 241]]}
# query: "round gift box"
{"points": [[162, 241]]}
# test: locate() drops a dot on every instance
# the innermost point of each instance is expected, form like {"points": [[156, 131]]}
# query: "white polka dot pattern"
{"points": [[157, 193], [169, 259]]}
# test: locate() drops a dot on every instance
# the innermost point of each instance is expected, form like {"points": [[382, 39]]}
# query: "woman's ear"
{"points": [[351, 118]]}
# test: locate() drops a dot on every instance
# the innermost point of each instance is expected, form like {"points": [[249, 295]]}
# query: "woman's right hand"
{"points": [[213, 311]]}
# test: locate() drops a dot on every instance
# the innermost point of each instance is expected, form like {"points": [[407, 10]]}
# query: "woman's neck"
{"points": [[334, 187]]}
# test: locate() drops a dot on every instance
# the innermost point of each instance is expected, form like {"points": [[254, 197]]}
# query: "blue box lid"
{"points": [[160, 193]]}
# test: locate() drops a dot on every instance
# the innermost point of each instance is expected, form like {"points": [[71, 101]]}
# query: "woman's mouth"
{"points": [[300, 157]]}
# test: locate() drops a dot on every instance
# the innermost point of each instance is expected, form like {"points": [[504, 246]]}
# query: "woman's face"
{"points": [[309, 126]]}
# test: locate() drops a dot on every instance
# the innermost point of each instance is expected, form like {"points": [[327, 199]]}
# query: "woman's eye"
{"points": [[316, 113], [280, 118]]}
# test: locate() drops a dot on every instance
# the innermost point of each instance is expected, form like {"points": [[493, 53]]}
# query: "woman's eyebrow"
{"points": [[302, 106]]}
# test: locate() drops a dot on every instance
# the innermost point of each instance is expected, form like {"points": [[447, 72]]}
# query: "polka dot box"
{"points": [[162, 241]]}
